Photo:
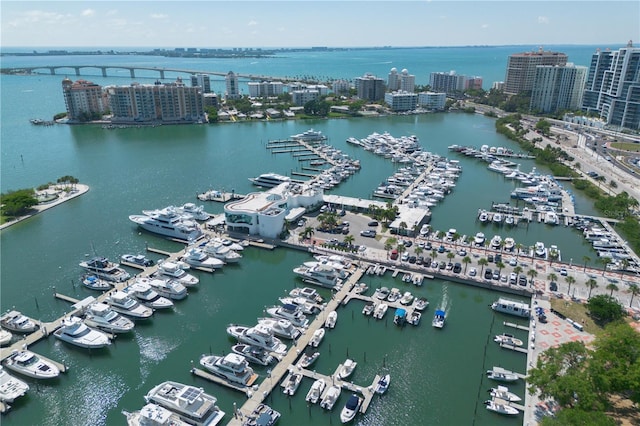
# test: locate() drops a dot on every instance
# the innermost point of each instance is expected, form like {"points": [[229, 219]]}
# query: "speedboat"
{"points": [[166, 287], [16, 322], [500, 408], [289, 312], [122, 303], [305, 306], [383, 384], [330, 322], [5, 337], [507, 339], [198, 258], [281, 327], [414, 318], [269, 180], [168, 223], [291, 383], [497, 218], [509, 244], [360, 288], [496, 242], [502, 375], [368, 309], [11, 388], [314, 394], [262, 415], [420, 303], [143, 292], [177, 273], [502, 392], [259, 335], [317, 337], [154, 415], [483, 217], [189, 402], [192, 212], [253, 353], [400, 317], [100, 315], [221, 252], [136, 259], [509, 220], [330, 397], [73, 330], [232, 367], [307, 359], [394, 295], [308, 293], [351, 408], [479, 239], [103, 268], [31, 365], [380, 310], [540, 250], [347, 369], [381, 293], [406, 298], [438, 319], [92, 282]]}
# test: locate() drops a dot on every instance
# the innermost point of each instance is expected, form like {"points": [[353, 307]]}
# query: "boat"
{"points": [[414, 318], [166, 287], [479, 239], [483, 216], [500, 408], [168, 223], [307, 359], [497, 218], [31, 365], [380, 310], [11, 388], [381, 293], [511, 307], [232, 367], [177, 273], [502, 392], [317, 337], [417, 279], [382, 385], [406, 298], [136, 259], [122, 303], [100, 315], [509, 220], [269, 180], [103, 268], [351, 408], [502, 375], [281, 327], [303, 304], [314, 394], [509, 244], [332, 317], [143, 292], [308, 293], [291, 383], [347, 369], [192, 404], [16, 322], [539, 250], [193, 212], [92, 282], [507, 339], [73, 330], [153, 415], [400, 317], [330, 397], [420, 304], [310, 136], [438, 319], [394, 295], [5, 337], [496, 242], [259, 335], [318, 274], [198, 258], [262, 415], [289, 312], [253, 354], [368, 308], [223, 253]]}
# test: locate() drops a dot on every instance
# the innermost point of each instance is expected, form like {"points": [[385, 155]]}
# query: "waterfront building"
{"points": [[202, 80], [265, 89], [432, 101], [474, 82], [210, 100], [558, 88], [393, 80], [498, 85], [521, 68], [370, 87], [448, 82], [613, 87], [401, 101], [341, 87], [407, 81], [83, 99], [231, 81], [582, 120], [301, 97]]}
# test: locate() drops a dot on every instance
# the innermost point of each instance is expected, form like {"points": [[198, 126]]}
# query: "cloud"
{"points": [[484, 26], [159, 16], [252, 23], [88, 12], [543, 20]]}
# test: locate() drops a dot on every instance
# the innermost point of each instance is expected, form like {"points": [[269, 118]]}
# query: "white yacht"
{"points": [[193, 212], [351, 408], [31, 365], [154, 415], [259, 335], [232, 367], [73, 330], [136, 259], [198, 258], [308, 293], [143, 292], [540, 250], [100, 315], [5, 337], [383, 384], [317, 337], [318, 274], [479, 239], [509, 244], [511, 307], [335, 259], [169, 223], [92, 282], [307, 359], [394, 294], [483, 216], [509, 220], [330, 397], [11, 388], [291, 383], [501, 408], [175, 272], [507, 339], [339, 268], [332, 317], [314, 394], [380, 310], [166, 287], [122, 303], [502, 375], [269, 180], [406, 298], [497, 218], [221, 252], [253, 354], [192, 404], [291, 313], [439, 319], [502, 392], [103, 268], [310, 136], [347, 369], [18, 323], [496, 242], [305, 306], [281, 327], [262, 415]]}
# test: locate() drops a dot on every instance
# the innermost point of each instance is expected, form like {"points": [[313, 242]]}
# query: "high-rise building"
{"points": [[521, 69], [448, 82], [613, 87], [370, 87], [202, 80], [233, 91], [83, 99], [558, 88], [393, 80], [265, 89], [407, 81]]}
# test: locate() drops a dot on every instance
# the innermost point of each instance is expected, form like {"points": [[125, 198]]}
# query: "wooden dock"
{"points": [[514, 348], [513, 325], [158, 251]]}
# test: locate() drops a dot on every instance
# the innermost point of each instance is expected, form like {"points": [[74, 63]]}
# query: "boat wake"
{"points": [[445, 303]]}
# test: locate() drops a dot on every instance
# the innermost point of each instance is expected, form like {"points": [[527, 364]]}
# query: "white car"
{"points": [[405, 257], [513, 261], [472, 272]]}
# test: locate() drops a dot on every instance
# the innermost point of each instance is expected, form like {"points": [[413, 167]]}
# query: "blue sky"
{"points": [[316, 23]]}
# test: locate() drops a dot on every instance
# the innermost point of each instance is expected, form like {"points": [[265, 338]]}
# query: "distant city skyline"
{"points": [[355, 23]]}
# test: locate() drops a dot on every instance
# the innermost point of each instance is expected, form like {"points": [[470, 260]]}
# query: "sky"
{"points": [[301, 23]]}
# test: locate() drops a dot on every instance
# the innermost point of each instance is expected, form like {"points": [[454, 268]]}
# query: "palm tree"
{"points": [[532, 273], [518, 248], [553, 256], [517, 270], [605, 261], [418, 250], [466, 260], [388, 245], [552, 277], [450, 256], [500, 265], [612, 287], [591, 283], [625, 265], [349, 239], [570, 280], [308, 232], [401, 248], [482, 262], [634, 290], [586, 259], [434, 253]]}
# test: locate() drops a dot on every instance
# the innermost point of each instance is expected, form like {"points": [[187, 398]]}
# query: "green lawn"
{"points": [[626, 146]]}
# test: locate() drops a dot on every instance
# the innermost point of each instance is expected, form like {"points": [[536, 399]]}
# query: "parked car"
{"points": [[368, 233], [394, 254], [373, 223], [488, 273], [472, 272], [412, 259], [457, 268], [405, 257], [553, 286]]}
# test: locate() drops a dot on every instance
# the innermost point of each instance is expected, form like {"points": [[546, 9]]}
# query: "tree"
{"points": [[466, 260], [605, 261], [517, 270], [570, 280], [532, 274], [308, 232], [450, 256], [418, 250], [389, 243], [349, 239], [499, 265], [482, 262], [586, 260], [591, 283], [612, 287], [604, 309], [17, 203], [518, 248], [634, 290], [552, 277]]}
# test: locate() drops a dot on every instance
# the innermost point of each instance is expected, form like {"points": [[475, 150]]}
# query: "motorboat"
{"points": [[262, 415], [406, 298], [230, 243], [177, 273], [103, 268], [310, 136], [332, 317], [124, 304], [5, 337], [303, 304], [394, 295], [496, 242], [166, 287], [382, 385], [381, 293], [502, 392], [291, 383], [314, 394], [479, 239], [400, 317], [307, 359], [192, 404], [380, 310], [507, 339], [100, 315], [417, 279], [368, 309], [511, 307], [502, 375], [509, 244], [73, 330], [16, 322], [351, 408], [439, 319], [289, 312], [347, 369], [147, 296], [420, 304], [336, 268], [221, 252], [168, 223], [360, 288], [317, 337], [509, 220], [330, 397], [31, 365], [259, 335], [539, 250], [318, 274], [497, 218], [483, 216], [154, 415], [11, 388], [192, 212], [269, 180], [281, 327], [198, 258], [92, 282], [308, 293], [335, 260], [500, 408], [232, 367], [136, 259], [253, 354], [414, 318]]}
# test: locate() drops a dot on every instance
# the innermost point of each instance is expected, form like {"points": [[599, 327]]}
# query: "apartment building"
{"points": [[83, 99], [558, 88], [521, 68]]}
